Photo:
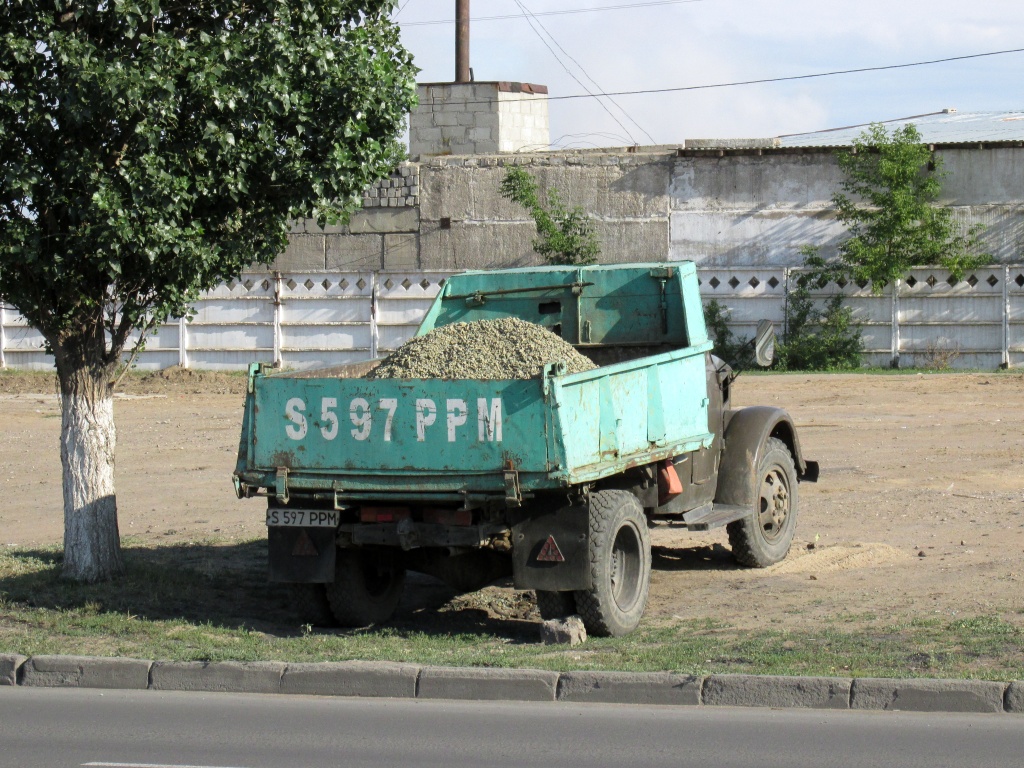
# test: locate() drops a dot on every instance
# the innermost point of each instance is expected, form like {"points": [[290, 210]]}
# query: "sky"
{"points": [[689, 43]]}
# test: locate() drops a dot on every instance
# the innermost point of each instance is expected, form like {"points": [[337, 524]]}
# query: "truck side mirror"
{"points": [[764, 343]]}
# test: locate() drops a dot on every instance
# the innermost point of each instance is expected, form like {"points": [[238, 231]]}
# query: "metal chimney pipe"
{"points": [[462, 41]]}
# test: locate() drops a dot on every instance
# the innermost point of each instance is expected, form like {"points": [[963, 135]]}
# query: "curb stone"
{"points": [[10, 663], [397, 680], [352, 678], [927, 695], [84, 672], [220, 676], [777, 691], [486, 684], [629, 688], [1014, 699]]}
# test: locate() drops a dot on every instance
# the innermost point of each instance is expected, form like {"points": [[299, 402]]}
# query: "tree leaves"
{"points": [[891, 185], [149, 151], [565, 235]]}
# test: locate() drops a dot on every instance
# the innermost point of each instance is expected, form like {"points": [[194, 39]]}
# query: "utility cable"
{"points": [[587, 75], [579, 82], [790, 77]]}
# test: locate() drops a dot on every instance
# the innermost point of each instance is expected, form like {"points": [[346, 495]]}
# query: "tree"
{"points": [[151, 150], [565, 235], [892, 183]]}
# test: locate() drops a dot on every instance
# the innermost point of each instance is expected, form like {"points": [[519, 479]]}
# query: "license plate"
{"points": [[303, 518]]}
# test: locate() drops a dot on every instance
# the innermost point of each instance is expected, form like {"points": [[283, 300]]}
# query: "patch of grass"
{"points": [[210, 601]]}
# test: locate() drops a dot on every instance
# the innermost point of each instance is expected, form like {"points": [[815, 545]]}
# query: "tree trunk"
{"points": [[92, 545]]}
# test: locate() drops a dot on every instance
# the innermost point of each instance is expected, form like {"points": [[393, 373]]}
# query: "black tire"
{"points": [[468, 572], [555, 605], [764, 537], [620, 564], [311, 605], [367, 587]]}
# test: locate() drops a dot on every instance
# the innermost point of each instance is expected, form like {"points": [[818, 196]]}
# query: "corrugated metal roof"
{"points": [[946, 127]]}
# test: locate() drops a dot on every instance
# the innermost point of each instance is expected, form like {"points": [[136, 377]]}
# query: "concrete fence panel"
{"points": [[303, 320]]}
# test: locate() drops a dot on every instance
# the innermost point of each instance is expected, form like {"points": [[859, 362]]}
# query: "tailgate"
{"points": [[423, 434]]}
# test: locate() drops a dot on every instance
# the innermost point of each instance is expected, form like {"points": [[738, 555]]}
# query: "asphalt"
{"points": [[410, 681]]}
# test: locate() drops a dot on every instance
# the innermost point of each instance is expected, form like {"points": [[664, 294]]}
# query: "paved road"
{"points": [[53, 728]]}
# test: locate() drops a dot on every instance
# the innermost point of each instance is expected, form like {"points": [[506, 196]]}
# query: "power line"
{"points": [[622, 7], [585, 74], [788, 78], [569, 71], [781, 79], [775, 79]]}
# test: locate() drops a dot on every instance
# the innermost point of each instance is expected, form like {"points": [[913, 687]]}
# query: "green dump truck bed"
{"points": [[327, 435]]}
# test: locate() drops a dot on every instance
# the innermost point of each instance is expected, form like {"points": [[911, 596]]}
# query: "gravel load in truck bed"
{"points": [[508, 348]]}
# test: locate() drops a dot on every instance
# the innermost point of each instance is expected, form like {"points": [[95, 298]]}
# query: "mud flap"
{"points": [[550, 551], [301, 555]]}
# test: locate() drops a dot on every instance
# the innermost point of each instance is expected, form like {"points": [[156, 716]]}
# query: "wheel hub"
{"points": [[774, 504]]}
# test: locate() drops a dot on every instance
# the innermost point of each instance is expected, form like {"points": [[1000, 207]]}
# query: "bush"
{"points": [[818, 338], [738, 353]]}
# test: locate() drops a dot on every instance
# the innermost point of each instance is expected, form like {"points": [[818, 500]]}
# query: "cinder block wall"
{"points": [[383, 235], [478, 119]]}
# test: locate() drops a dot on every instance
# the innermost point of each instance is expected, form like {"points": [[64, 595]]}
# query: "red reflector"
{"points": [[383, 514], [550, 553], [304, 546]]}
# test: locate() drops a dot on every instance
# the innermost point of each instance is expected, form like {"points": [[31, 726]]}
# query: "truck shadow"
{"points": [[225, 585], [714, 557]]}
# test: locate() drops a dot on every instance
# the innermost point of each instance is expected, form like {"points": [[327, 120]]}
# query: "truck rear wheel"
{"points": [[555, 605], [311, 605], [764, 537], [367, 587], [620, 564]]}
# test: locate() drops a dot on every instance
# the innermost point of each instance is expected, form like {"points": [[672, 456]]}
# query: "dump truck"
{"points": [[555, 480]]}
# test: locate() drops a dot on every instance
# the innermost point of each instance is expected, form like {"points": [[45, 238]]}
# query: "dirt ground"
{"points": [[919, 512]]}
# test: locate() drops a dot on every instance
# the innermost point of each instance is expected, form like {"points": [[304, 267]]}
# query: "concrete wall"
{"points": [[718, 207], [466, 224], [759, 207]]}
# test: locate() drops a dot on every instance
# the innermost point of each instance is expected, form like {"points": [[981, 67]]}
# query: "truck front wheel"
{"points": [[366, 588], [764, 536], [620, 563]]}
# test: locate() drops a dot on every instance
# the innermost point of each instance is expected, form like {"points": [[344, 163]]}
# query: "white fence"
{"points": [[295, 320], [927, 319], [304, 320]]}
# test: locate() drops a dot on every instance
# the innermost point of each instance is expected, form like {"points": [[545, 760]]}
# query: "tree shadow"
{"points": [[226, 586]]}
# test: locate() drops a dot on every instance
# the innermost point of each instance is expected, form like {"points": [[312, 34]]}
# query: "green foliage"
{"points": [[818, 338], [892, 182], [149, 150], [565, 235], [738, 353]]}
